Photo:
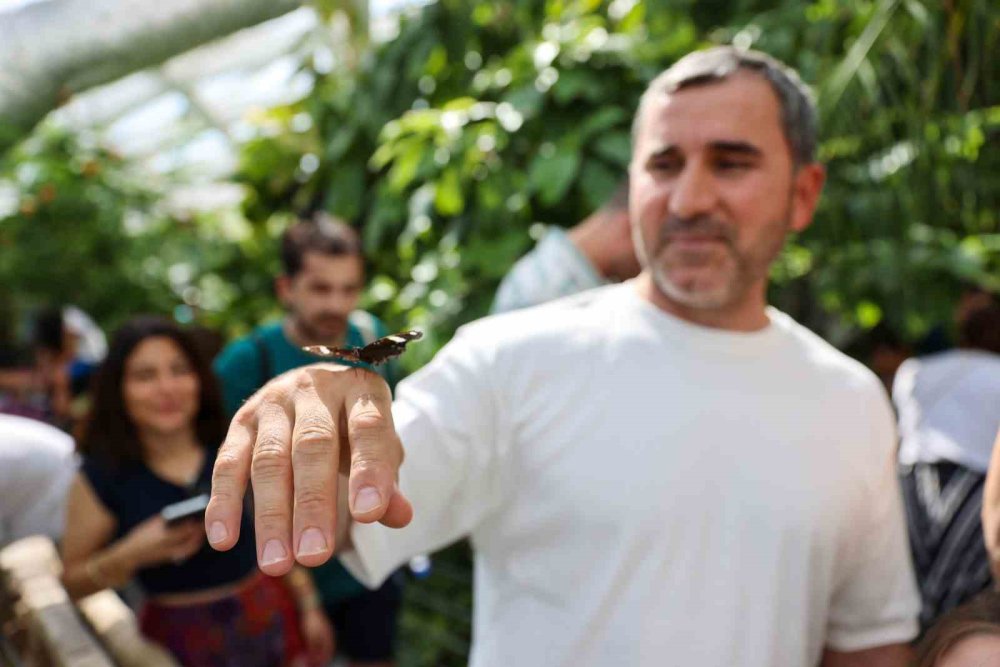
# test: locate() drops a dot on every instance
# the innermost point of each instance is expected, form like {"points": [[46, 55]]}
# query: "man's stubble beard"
{"points": [[314, 336], [745, 273]]}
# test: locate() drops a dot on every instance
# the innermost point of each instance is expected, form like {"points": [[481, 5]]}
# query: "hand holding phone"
{"points": [[192, 508]]}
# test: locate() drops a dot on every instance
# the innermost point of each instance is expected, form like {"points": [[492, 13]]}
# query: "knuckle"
{"points": [[227, 466], [315, 434], [303, 380], [269, 463], [312, 499], [364, 462], [245, 416], [270, 444], [271, 516], [366, 423]]}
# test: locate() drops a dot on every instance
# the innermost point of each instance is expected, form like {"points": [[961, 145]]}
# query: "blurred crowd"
{"points": [[99, 435]]}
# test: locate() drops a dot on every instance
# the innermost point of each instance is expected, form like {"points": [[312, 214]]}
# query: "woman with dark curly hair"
{"points": [[149, 441]]}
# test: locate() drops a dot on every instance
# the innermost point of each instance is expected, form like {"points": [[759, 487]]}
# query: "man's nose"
{"points": [[694, 192], [340, 303]]}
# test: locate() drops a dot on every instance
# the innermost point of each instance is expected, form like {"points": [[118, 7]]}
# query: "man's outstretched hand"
{"points": [[291, 439]]}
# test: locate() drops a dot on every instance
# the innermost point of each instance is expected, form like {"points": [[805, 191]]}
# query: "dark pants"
{"points": [[366, 623]]}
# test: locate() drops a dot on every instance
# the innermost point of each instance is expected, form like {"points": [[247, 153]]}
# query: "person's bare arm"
{"points": [[991, 511], [91, 564], [89, 527], [290, 439], [892, 655]]}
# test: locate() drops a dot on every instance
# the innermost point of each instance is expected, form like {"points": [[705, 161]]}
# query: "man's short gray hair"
{"points": [[798, 106]]}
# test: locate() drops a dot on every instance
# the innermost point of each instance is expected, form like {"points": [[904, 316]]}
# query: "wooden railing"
{"points": [[46, 629]]}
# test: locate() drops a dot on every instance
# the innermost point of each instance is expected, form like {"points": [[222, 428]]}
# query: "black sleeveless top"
{"points": [[134, 493]]}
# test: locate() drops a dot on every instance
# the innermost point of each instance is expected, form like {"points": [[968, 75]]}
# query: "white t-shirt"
{"points": [[949, 408], [37, 465], [642, 491]]}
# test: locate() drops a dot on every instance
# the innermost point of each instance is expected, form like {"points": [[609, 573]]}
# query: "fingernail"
{"points": [[217, 532], [312, 542], [367, 499], [274, 552]]}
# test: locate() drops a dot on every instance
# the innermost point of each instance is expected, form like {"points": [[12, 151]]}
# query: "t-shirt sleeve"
{"points": [[447, 417], [876, 603], [238, 370]]}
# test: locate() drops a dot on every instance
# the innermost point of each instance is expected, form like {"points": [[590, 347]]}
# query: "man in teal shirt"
{"points": [[319, 288]]}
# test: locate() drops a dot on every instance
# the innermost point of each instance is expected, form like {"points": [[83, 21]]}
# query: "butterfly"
{"points": [[376, 352]]}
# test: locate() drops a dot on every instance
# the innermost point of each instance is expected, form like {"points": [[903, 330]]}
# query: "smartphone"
{"points": [[192, 508]]}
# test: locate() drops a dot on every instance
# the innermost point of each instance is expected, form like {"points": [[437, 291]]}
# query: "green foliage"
{"points": [[64, 240], [447, 144], [481, 119], [84, 226]]}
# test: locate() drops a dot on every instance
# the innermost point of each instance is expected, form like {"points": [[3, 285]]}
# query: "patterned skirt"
{"points": [[255, 627]]}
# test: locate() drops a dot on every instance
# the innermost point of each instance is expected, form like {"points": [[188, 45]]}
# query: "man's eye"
{"points": [[733, 165], [665, 165]]}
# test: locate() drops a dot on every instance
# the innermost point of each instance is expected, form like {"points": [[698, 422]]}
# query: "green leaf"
{"points": [[601, 120], [615, 147], [340, 143], [598, 183], [448, 199], [577, 83], [345, 191], [526, 100], [404, 167], [551, 175]]}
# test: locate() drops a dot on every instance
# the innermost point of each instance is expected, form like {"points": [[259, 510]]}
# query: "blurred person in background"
{"points": [[949, 412], [37, 465], [595, 252], [150, 440], [322, 281], [67, 348], [664, 471]]}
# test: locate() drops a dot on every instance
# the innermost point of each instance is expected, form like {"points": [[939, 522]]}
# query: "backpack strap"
{"points": [[265, 368]]}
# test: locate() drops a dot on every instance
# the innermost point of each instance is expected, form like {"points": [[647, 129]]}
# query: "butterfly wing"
{"points": [[376, 352], [388, 347], [342, 353]]}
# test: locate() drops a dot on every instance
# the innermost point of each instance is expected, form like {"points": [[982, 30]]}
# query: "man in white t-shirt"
{"points": [[37, 464], [662, 472]]}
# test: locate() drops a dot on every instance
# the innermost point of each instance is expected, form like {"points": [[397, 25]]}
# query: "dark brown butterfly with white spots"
{"points": [[376, 352]]}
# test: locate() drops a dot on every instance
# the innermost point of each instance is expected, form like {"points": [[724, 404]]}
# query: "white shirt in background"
{"points": [[642, 491], [949, 408], [37, 464]]}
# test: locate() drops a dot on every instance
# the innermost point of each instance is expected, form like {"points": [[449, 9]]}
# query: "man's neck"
{"points": [[750, 314], [299, 337]]}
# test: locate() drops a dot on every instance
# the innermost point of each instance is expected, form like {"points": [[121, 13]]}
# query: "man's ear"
{"points": [[283, 288], [806, 189]]}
